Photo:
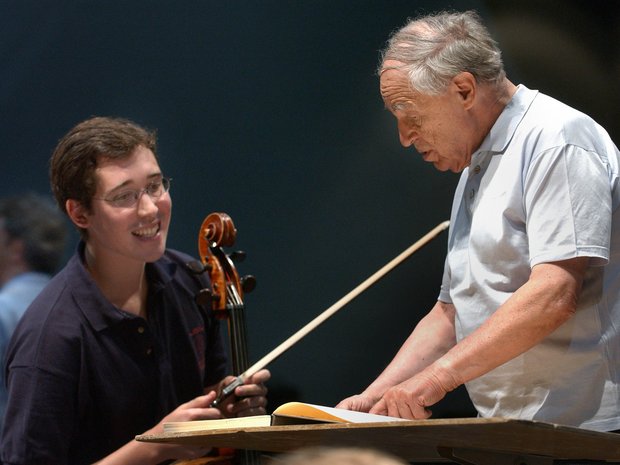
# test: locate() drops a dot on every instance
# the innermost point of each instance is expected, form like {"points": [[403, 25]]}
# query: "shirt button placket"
{"points": [[474, 182], [149, 350]]}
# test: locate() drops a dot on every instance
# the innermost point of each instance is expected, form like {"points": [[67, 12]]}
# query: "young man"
{"points": [[528, 316], [116, 341]]}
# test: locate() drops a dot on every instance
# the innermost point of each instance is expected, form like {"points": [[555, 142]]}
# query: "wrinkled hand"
{"points": [[358, 402], [411, 398], [249, 399]]}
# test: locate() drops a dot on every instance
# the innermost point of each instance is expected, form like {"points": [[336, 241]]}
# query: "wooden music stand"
{"points": [[488, 441]]}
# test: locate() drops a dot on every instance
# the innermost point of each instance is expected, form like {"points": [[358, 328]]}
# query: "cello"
{"points": [[221, 228], [226, 300]]}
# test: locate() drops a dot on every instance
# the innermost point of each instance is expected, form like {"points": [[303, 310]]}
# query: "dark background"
{"points": [[270, 111]]}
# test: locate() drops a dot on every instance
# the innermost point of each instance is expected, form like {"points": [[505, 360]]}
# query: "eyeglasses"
{"points": [[129, 198]]}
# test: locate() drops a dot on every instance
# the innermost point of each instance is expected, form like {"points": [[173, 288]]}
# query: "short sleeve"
{"points": [[567, 199]]}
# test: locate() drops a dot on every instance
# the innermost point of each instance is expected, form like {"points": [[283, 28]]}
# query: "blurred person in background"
{"points": [[336, 456], [33, 233]]}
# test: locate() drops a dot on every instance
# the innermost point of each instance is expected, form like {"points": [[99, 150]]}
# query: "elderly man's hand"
{"points": [[411, 398], [358, 402]]}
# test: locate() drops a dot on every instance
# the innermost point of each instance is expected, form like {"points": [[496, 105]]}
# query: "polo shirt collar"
{"points": [[100, 313], [503, 130]]}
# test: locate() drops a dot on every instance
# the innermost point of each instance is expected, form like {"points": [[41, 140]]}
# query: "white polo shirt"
{"points": [[542, 187]]}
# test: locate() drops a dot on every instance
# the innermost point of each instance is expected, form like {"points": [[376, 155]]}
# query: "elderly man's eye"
{"points": [[414, 121]]}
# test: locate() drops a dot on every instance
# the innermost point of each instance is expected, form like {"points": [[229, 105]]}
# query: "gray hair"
{"points": [[435, 48]]}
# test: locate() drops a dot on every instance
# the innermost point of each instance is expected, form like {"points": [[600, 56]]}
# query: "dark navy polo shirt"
{"points": [[85, 377]]}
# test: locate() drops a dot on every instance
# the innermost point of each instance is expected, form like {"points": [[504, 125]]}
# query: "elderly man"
{"points": [[528, 316]]}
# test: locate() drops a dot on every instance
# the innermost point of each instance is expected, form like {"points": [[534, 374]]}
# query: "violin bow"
{"points": [[329, 312]]}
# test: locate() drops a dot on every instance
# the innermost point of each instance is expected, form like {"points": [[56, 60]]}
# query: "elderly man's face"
{"points": [[437, 126]]}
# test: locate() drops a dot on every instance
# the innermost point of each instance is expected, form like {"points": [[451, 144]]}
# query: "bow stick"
{"points": [[312, 325]]}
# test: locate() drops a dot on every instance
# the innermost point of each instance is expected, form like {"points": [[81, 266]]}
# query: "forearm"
{"points": [[134, 452], [432, 337], [533, 312], [142, 453]]}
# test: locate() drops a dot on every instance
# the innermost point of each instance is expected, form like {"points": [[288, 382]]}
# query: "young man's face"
{"points": [[135, 233]]}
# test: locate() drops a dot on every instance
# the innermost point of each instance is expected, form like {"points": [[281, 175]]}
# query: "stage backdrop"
{"points": [[269, 111]]}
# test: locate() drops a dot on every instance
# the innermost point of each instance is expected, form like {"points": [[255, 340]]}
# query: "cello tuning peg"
{"points": [[237, 256], [205, 297], [197, 267], [248, 283]]}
